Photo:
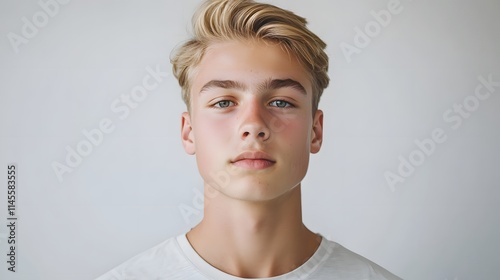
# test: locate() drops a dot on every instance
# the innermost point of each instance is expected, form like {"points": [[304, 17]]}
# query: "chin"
{"points": [[256, 191]]}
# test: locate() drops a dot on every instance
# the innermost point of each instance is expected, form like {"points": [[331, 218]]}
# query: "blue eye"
{"points": [[223, 104], [280, 104]]}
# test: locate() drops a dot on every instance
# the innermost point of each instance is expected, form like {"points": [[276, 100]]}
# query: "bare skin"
{"points": [[257, 134], [254, 241]]}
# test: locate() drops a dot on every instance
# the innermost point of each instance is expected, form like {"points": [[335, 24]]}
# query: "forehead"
{"points": [[249, 62]]}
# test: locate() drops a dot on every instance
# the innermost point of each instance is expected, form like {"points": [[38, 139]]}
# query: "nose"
{"points": [[253, 123]]}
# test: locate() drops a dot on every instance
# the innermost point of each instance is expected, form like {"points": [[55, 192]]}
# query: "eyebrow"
{"points": [[268, 85], [278, 83]]}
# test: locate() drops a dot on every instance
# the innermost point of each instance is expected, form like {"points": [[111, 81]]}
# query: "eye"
{"points": [[223, 104], [280, 104]]}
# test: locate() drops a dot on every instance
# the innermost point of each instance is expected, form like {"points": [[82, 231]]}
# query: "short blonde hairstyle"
{"points": [[224, 20]]}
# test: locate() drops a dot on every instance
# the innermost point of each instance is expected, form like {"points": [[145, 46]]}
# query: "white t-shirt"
{"points": [[175, 259]]}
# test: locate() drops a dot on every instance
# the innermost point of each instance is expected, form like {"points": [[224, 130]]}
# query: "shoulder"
{"points": [[163, 261], [345, 264]]}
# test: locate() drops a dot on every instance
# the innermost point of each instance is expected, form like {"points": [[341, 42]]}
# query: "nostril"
{"points": [[260, 134]]}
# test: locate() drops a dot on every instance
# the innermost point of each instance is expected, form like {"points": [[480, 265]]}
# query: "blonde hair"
{"points": [[223, 20]]}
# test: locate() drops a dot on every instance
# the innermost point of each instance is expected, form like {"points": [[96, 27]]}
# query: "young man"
{"points": [[251, 78]]}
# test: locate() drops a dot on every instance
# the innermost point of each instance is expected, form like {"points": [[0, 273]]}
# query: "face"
{"points": [[251, 124]]}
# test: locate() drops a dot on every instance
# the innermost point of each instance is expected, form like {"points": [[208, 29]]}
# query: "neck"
{"points": [[254, 239]]}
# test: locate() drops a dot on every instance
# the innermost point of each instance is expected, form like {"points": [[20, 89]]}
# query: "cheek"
{"points": [[296, 130], [296, 137], [210, 135]]}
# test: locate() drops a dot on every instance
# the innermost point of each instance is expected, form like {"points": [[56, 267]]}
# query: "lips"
{"points": [[253, 160]]}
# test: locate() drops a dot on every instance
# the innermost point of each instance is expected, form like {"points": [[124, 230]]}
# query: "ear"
{"points": [[187, 134], [317, 132]]}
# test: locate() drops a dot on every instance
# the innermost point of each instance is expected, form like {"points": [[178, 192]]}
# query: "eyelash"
{"points": [[288, 104], [217, 104]]}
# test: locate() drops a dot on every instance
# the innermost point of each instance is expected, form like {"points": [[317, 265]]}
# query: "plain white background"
{"points": [[126, 195]]}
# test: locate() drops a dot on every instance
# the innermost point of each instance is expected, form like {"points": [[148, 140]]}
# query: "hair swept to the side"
{"points": [[223, 20]]}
